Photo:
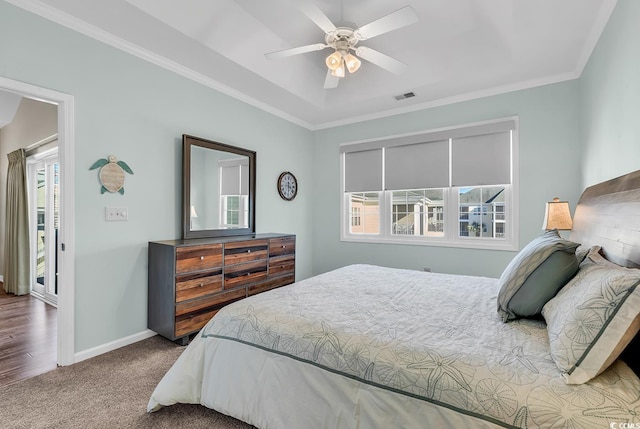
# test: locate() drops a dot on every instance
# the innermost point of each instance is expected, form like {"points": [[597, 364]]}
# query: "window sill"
{"points": [[461, 244]]}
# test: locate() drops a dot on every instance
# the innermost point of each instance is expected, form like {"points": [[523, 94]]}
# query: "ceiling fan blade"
{"points": [[331, 81], [295, 51], [381, 60], [314, 13], [398, 19]]}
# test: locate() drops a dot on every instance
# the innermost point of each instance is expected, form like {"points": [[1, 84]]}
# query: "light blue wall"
{"points": [[610, 91], [571, 135], [136, 111], [549, 167]]}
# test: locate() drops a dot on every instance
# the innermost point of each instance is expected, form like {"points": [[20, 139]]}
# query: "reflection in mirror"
{"points": [[220, 192], [219, 197]]}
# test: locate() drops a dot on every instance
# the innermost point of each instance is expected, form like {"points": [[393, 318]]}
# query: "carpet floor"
{"points": [[108, 391]]}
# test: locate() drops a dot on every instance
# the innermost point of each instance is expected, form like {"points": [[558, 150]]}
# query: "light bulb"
{"points": [[334, 61], [339, 72], [352, 62]]}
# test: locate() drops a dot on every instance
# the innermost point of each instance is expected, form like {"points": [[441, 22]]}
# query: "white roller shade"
{"points": [[230, 180], [417, 166], [431, 136], [363, 171], [481, 160]]}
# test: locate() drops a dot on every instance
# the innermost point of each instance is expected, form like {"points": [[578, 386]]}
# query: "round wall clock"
{"points": [[287, 186]]}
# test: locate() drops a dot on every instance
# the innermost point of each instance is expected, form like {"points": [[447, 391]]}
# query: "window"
{"points": [[417, 212], [365, 213], [356, 216], [448, 187], [482, 211], [234, 210], [234, 190]]}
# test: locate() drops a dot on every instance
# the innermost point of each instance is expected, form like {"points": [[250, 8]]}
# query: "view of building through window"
{"points": [[481, 212], [365, 212], [418, 212]]}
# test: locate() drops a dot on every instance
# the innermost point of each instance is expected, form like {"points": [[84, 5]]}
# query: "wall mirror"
{"points": [[218, 189]]}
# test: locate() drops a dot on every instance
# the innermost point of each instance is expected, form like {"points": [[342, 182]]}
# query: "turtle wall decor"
{"points": [[111, 174]]}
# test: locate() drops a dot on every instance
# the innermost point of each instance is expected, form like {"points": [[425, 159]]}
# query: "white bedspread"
{"points": [[366, 346]]}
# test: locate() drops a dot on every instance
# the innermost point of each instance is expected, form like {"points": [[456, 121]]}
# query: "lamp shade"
{"points": [[352, 62], [339, 72], [334, 61], [557, 215]]}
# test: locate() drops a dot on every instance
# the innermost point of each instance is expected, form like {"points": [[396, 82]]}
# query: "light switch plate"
{"points": [[116, 213]]}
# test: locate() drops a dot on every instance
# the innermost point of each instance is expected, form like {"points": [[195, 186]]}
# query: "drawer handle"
{"points": [[284, 247], [202, 258], [249, 251], [201, 284]]}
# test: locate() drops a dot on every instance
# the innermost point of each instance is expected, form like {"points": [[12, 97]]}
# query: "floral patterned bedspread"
{"points": [[431, 336]]}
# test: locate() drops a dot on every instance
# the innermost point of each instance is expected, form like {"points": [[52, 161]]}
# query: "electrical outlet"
{"points": [[116, 213]]}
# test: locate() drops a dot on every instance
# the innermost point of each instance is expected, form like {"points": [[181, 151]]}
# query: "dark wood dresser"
{"points": [[190, 280]]}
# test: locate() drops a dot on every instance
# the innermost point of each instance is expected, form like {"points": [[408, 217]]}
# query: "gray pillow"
{"points": [[535, 275], [593, 318]]}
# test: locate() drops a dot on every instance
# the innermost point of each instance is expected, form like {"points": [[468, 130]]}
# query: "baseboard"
{"points": [[113, 345]]}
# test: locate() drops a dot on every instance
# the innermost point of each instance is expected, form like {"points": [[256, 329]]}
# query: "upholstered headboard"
{"points": [[608, 215]]}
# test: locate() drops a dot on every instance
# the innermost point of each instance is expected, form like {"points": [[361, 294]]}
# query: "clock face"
{"points": [[287, 186]]}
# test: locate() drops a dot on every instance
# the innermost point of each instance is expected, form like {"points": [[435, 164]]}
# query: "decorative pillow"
{"points": [[592, 319], [535, 275]]}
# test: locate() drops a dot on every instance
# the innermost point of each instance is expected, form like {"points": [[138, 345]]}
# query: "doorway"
{"points": [[66, 231]]}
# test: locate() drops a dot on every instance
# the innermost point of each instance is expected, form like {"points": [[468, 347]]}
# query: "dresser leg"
{"points": [[182, 341]]}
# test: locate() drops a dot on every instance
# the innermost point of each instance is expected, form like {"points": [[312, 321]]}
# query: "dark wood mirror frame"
{"points": [[187, 232]]}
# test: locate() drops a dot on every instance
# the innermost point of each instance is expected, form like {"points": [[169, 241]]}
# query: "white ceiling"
{"points": [[458, 49]]}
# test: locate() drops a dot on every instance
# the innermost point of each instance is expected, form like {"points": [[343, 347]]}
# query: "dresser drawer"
{"points": [[196, 258], [194, 286], [245, 251], [242, 274], [280, 265], [194, 322], [271, 284], [282, 246], [195, 305]]}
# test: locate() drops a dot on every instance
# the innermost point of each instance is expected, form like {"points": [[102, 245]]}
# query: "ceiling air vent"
{"points": [[403, 96]]}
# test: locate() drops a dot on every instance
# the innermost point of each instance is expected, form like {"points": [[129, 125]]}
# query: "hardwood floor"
{"points": [[28, 337]]}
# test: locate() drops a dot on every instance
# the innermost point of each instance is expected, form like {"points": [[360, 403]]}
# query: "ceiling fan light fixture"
{"points": [[334, 61], [352, 62], [339, 72], [343, 41]]}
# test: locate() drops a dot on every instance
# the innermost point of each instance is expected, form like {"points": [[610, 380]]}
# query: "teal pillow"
{"points": [[535, 275]]}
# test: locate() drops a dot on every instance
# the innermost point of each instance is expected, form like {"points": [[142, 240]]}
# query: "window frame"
{"points": [[451, 205]]}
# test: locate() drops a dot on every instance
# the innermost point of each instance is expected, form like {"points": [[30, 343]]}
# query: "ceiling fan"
{"points": [[343, 41]]}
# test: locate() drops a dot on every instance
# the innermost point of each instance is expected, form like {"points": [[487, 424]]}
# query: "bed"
{"points": [[366, 346]]}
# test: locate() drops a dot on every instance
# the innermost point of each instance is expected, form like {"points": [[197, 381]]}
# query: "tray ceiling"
{"points": [[458, 49]]}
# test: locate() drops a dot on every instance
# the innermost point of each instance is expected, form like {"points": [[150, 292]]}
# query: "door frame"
{"points": [[66, 244]]}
